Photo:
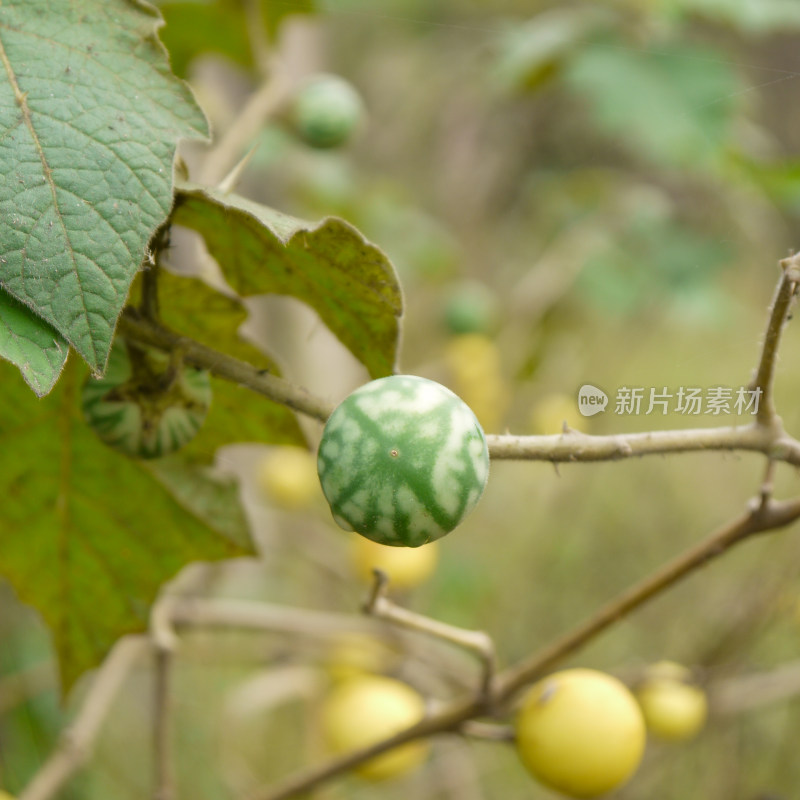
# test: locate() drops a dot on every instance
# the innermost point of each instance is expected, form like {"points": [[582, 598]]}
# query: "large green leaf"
{"points": [[87, 536], [29, 343], [348, 281], [89, 120], [674, 106]]}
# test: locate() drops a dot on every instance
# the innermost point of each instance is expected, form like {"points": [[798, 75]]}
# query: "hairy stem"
{"points": [[224, 366]]}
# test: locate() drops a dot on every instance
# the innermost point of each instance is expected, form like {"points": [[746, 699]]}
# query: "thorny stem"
{"points": [[224, 366]]}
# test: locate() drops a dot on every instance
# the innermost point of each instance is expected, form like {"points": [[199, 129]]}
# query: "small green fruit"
{"points": [[143, 409], [326, 111], [471, 307], [402, 460]]}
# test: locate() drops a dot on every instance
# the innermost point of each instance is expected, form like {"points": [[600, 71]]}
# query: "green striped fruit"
{"points": [[141, 408], [402, 460]]}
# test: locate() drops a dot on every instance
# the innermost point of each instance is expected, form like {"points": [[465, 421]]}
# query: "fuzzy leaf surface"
{"points": [[329, 265], [90, 117], [88, 536]]}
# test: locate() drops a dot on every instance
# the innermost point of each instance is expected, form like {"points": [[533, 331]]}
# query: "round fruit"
{"points": [[288, 477], [674, 707], [326, 110], [356, 654], [406, 567], [402, 460], [473, 361], [471, 307], [368, 709], [144, 408], [580, 732]]}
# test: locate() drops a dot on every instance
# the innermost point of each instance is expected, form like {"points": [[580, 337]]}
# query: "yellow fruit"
{"points": [[551, 412], [673, 707], [370, 708], [580, 732], [356, 654], [288, 477], [405, 566], [473, 361]]}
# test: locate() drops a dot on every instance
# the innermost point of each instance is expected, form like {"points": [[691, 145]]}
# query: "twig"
{"points": [[746, 692], [224, 366], [574, 447], [477, 642], [164, 783], [75, 744], [764, 376], [762, 516], [261, 104], [165, 642]]}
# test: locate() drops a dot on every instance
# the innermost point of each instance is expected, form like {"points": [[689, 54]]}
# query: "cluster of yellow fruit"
{"points": [[579, 731]]}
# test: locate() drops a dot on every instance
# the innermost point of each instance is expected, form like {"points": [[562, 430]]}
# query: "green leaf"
{"points": [[31, 344], [674, 106], [348, 281], [87, 535], [89, 120], [205, 492]]}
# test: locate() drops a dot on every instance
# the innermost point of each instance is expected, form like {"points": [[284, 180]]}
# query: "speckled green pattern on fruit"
{"points": [[402, 460], [141, 413]]}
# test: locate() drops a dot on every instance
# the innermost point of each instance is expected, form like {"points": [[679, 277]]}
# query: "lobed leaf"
{"points": [[348, 281], [89, 536], [90, 117]]}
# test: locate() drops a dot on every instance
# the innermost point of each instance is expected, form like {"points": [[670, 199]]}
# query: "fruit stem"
{"points": [[476, 642]]}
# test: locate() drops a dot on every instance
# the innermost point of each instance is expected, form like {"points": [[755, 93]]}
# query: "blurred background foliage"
{"points": [[609, 185]]}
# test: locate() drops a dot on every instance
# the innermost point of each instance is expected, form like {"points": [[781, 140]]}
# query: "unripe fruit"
{"points": [[402, 460], [143, 409], [325, 111], [367, 709], [471, 307], [288, 477], [405, 566], [580, 732], [674, 707]]}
